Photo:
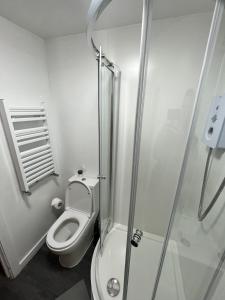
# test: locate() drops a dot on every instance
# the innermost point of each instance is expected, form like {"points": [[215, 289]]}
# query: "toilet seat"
{"points": [[79, 217]]}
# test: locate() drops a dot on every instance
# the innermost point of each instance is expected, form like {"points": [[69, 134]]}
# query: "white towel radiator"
{"points": [[27, 134]]}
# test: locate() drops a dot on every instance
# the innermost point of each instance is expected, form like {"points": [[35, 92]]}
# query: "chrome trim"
{"points": [[116, 78], [136, 238], [144, 55], [115, 134], [207, 58], [103, 231], [113, 287], [95, 10], [100, 140]]}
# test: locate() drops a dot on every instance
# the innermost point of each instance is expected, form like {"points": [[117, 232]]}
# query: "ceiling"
{"points": [[51, 18]]}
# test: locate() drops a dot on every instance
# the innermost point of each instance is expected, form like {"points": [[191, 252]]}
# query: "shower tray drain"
{"points": [[113, 287]]}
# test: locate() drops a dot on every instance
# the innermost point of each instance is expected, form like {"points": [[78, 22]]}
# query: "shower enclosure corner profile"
{"points": [[108, 106]]}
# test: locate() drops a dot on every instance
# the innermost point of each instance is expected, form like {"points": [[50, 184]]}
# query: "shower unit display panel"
{"points": [[28, 138]]}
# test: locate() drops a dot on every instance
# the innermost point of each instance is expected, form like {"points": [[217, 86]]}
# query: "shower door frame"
{"points": [[143, 70], [116, 75], [95, 11]]}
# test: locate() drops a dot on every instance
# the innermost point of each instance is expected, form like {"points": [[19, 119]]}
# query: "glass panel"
{"points": [[197, 247], [105, 132], [178, 42]]}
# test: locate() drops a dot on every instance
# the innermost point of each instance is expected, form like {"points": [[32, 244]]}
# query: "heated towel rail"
{"points": [[27, 133]]}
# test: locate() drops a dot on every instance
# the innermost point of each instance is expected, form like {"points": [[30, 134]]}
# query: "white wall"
{"points": [[177, 51], [23, 81], [73, 78]]}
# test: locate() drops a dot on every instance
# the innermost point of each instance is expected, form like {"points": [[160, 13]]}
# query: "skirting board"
{"points": [[32, 252]]}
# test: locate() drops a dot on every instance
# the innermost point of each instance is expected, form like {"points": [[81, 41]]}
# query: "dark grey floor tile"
{"points": [[44, 279]]}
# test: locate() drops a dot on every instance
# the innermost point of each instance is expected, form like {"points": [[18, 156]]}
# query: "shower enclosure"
{"points": [[177, 256]]}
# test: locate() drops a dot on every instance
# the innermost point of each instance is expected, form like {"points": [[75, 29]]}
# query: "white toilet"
{"points": [[72, 233]]}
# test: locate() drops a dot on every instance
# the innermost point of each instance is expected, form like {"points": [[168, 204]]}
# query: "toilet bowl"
{"points": [[72, 233]]}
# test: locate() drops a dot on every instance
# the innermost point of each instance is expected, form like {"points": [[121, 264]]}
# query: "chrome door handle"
{"points": [[136, 238]]}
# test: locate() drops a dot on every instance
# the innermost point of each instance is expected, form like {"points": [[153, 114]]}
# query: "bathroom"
{"points": [[111, 126]]}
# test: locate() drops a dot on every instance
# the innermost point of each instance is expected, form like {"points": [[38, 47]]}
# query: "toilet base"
{"points": [[72, 259]]}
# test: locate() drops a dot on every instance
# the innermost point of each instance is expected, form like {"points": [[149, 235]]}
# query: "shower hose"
{"points": [[203, 213]]}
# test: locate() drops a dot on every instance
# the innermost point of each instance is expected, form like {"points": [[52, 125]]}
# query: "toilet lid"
{"points": [[79, 196]]}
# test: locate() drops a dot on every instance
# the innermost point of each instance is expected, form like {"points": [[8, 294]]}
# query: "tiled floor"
{"points": [[43, 278]]}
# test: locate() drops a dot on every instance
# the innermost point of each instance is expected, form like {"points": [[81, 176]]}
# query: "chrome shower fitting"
{"points": [[136, 238], [113, 287]]}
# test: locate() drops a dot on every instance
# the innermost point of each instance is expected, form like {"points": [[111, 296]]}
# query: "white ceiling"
{"points": [[51, 18]]}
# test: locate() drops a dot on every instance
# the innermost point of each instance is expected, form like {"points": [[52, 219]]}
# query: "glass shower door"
{"points": [[105, 145], [197, 245], [176, 54]]}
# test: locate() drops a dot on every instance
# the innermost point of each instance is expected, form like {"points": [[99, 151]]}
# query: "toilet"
{"points": [[72, 233]]}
